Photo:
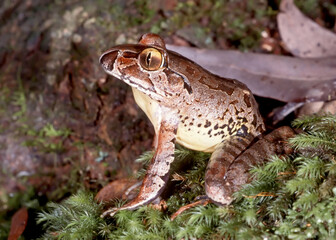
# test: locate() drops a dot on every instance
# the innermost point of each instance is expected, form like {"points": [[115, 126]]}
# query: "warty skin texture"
{"points": [[189, 105]]}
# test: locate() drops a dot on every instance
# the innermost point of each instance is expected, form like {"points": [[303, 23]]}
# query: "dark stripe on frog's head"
{"points": [[130, 51]]}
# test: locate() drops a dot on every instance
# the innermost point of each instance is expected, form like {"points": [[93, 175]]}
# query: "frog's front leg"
{"points": [[158, 171]]}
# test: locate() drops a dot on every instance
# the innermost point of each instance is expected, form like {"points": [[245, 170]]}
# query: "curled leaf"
{"points": [[118, 189], [19, 223], [302, 36], [287, 79]]}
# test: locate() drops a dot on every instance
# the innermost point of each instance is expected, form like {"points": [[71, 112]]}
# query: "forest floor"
{"points": [[65, 125]]}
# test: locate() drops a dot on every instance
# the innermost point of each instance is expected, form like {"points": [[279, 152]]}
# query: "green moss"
{"points": [[47, 139], [19, 99], [77, 218], [290, 197]]}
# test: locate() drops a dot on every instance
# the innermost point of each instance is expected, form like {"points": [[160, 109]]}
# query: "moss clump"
{"points": [[291, 197], [78, 217]]}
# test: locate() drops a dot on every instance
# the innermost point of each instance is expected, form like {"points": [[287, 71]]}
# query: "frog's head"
{"points": [[145, 66]]}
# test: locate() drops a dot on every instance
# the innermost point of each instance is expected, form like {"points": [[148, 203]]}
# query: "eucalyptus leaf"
{"points": [[284, 78], [302, 36]]}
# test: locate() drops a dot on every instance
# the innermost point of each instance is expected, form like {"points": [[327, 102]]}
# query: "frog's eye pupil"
{"points": [[148, 59], [151, 59]]}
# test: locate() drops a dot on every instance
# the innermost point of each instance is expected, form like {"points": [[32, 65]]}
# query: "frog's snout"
{"points": [[107, 60]]}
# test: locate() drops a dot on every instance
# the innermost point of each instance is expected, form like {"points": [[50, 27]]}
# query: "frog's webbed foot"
{"points": [[229, 165], [151, 188]]}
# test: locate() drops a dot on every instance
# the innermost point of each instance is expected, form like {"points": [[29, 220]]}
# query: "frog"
{"points": [[190, 106]]}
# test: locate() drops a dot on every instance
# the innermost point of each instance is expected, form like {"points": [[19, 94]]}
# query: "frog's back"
{"points": [[219, 109]]}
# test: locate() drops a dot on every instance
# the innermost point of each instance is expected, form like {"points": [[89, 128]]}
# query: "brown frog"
{"points": [[190, 106]]}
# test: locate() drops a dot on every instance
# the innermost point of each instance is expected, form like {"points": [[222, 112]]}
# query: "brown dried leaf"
{"points": [[318, 108], [302, 36], [283, 78], [310, 108], [168, 5], [19, 223], [118, 189], [329, 107]]}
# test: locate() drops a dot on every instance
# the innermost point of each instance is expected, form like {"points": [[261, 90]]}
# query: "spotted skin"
{"points": [[186, 104]]}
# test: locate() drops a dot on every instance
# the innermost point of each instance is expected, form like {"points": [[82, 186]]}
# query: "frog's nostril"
{"points": [[107, 60]]}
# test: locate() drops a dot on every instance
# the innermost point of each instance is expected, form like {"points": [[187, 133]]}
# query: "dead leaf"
{"points": [[302, 36], [168, 5], [329, 108], [278, 114], [118, 189], [310, 108], [305, 38], [19, 223], [287, 79]]}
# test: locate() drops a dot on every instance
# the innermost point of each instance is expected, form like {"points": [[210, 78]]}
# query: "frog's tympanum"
{"points": [[190, 106]]}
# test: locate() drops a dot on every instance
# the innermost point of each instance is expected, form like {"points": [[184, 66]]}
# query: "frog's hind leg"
{"points": [[229, 165], [216, 187]]}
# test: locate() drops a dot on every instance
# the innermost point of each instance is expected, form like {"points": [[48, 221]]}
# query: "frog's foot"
{"points": [[229, 165], [111, 212], [204, 201], [147, 194], [139, 201]]}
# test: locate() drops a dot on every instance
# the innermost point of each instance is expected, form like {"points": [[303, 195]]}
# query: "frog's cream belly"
{"points": [[197, 139], [191, 137]]}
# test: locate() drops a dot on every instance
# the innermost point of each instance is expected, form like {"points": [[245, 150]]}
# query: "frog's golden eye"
{"points": [[151, 59]]}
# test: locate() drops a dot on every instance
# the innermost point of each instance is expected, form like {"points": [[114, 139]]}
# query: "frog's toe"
{"points": [[111, 212], [203, 201]]}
